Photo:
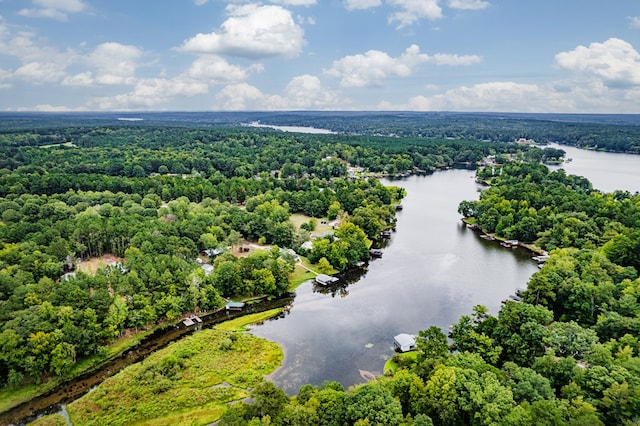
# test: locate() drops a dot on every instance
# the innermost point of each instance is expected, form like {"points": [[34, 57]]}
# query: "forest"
{"points": [[566, 353], [158, 197]]}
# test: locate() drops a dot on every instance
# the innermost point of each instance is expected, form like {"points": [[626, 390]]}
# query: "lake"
{"points": [[433, 270], [607, 171], [293, 129]]}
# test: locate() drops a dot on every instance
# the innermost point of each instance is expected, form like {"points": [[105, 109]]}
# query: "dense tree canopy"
{"points": [[156, 198]]}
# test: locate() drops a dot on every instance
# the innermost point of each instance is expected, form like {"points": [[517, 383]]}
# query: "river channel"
{"points": [[433, 270]]}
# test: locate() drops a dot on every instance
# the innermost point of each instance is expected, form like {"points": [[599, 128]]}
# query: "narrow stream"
{"points": [[67, 392]]}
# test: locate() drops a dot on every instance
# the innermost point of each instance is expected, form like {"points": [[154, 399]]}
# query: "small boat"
{"points": [[375, 252], [510, 243]]}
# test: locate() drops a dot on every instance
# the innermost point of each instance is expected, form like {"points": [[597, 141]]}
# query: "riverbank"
{"points": [[470, 222], [191, 381], [48, 401]]}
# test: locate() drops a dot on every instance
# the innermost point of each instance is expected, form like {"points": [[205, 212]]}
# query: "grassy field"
{"points": [[92, 265], [52, 420], [241, 323], [190, 382], [298, 219], [393, 363]]}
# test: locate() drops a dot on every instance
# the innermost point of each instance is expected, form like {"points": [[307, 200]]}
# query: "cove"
{"points": [[433, 270]]}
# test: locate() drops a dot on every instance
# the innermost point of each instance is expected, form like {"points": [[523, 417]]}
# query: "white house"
{"points": [[404, 342]]}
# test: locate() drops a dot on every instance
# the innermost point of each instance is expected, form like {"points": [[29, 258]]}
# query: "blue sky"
{"points": [[427, 55]]}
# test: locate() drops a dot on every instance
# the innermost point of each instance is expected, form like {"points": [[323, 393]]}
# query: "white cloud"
{"points": [[200, 2], [39, 72], [240, 96], [373, 67], [506, 96], [53, 9], [361, 4], [414, 10], [252, 31], [615, 62], [634, 21], [295, 2], [39, 62], [468, 4], [215, 69], [115, 63], [157, 93], [111, 63], [302, 92], [149, 93], [4, 75], [454, 60], [306, 92]]}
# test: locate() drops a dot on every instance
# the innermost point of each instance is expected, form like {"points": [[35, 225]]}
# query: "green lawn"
{"points": [[190, 382], [393, 363]]}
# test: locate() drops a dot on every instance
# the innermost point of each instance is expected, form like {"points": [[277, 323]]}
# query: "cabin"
{"points": [[322, 279], [234, 306], [404, 342]]}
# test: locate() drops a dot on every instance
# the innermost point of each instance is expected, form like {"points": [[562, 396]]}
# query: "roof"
{"points": [[405, 340], [325, 279]]}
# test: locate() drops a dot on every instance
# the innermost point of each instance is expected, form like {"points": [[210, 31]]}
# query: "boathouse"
{"points": [[404, 342], [234, 306], [322, 279]]}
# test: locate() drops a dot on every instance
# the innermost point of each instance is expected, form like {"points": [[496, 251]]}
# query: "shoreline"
{"points": [[528, 246], [49, 402]]}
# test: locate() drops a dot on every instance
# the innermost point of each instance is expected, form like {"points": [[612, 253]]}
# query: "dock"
{"points": [[234, 306], [324, 280]]}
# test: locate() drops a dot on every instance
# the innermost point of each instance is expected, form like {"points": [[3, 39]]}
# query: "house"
{"points": [[234, 306], [322, 279], [404, 342]]}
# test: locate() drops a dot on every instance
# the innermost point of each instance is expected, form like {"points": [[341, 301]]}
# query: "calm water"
{"points": [[294, 129], [607, 171], [433, 270]]}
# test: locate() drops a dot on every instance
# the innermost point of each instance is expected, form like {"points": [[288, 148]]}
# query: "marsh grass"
{"points": [[188, 382]]}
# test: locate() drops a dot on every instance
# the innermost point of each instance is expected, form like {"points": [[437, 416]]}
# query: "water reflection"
{"points": [[433, 270]]}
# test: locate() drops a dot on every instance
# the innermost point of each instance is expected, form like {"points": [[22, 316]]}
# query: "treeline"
{"points": [[617, 133], [156, 198], [54, 156], [567, 354]]}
